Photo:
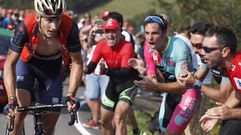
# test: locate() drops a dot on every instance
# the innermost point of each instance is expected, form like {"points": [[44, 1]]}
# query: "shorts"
{"points": [[118, 92], [175, 115], [230, 127], [49, 75], [95, 86]]}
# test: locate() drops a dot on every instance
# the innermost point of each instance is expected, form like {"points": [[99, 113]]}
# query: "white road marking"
{"points": [[80, 128]]}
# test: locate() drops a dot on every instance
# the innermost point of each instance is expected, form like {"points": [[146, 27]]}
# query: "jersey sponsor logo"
{"points": [[20, 78], [239, 63], [55, 100], [169, 61], [233, 67], [215, 72], [179, 120], [187, 110], [237, 82]]}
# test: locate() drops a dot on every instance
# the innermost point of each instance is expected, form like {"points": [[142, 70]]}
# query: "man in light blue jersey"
{"points": [[179, 104]]}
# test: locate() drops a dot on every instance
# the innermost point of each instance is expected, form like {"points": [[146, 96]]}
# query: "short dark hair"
{"points": [[225, 37], [162, 26], [200, 27], [117, 16]]}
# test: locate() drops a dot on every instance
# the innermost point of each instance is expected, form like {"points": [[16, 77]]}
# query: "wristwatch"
{"points": [[197, 85]]}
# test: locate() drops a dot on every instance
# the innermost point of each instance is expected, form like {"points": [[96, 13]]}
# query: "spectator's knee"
{"points": [[118, 118]]}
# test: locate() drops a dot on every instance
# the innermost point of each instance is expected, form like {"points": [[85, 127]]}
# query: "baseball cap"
{"points": [[104, 15], [111, 25]]}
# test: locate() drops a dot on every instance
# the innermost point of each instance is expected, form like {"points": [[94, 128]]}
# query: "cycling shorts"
{"points": [[49, 75], [175, 115], [118, 92], [95, 86]]}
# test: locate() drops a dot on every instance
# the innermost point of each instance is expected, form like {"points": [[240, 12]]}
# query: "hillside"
{"points": [[129, 8], [133, 10]]}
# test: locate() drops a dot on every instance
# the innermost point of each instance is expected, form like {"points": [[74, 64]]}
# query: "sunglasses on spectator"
{"points": [[209, 50], [155, 19]]}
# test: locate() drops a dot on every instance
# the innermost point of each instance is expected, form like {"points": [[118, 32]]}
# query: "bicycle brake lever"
{"points": [[11, 127], [73, 117]]}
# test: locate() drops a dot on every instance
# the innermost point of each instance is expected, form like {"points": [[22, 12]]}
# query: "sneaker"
{"points": [[91, 124]]}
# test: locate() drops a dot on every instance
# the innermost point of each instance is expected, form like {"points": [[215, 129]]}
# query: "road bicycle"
{"points": [[37, 111]]}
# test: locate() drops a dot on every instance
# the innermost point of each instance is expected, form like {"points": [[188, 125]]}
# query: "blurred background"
{"points": [[183, 12]]}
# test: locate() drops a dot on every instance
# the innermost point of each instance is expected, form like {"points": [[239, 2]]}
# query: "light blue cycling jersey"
{"points": [[176, 58]]}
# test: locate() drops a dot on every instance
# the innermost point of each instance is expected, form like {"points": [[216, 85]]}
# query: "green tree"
{"points": [[222, 12]]}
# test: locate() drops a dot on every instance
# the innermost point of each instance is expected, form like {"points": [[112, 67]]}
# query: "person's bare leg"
{"points": [[121, 112], [94, 106], [106, 122], [49, 122]]}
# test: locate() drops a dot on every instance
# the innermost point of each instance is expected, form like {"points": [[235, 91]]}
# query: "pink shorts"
{"points": [[184, 111]]}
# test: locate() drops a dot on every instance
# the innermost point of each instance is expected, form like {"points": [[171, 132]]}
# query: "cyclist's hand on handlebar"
{"points": [[9, 111], [71, 103], [73, 106], [10, 108]]}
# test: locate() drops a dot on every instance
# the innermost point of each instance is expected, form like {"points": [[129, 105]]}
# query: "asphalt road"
{"points": [[146, 103], [62, 127]]}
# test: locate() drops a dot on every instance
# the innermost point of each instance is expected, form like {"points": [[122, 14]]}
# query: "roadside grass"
{"points": [[143, 120]]}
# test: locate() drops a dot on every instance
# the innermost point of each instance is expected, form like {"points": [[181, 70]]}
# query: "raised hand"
{"points": [[207, 123], [137, 64], [147, 83]]}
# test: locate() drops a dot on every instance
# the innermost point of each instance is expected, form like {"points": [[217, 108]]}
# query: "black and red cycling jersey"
{"points": [[25, 39], [116, 58]]}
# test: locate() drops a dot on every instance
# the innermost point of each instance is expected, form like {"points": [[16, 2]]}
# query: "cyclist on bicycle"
{"points": [[44, 41]]}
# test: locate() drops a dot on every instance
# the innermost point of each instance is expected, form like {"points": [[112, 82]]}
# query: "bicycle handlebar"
{"points": [[44, 108]]}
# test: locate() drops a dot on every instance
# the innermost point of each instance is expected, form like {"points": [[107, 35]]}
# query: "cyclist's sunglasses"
{"points": [[155, 19], [209, 50]]}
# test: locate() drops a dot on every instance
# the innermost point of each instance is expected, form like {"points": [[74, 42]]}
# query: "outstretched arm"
{"points": [[75, 73], [228, 110], [149, 84], [219, 95]]}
